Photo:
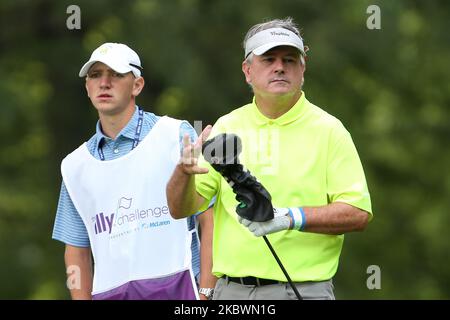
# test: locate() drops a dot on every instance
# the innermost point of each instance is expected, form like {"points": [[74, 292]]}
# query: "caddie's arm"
{"points": [[79, 272], [182, 198], [207, 279]]}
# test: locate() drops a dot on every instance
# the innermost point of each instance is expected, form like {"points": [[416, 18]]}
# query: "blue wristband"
{"points": [[302, 226], [298, 218], [292, 225]]}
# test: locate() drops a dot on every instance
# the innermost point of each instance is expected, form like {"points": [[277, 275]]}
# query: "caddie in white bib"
{"points": [[139, 250]]}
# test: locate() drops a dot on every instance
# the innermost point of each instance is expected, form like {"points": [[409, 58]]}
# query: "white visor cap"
{"points": [[267, 39], [117, 56]]}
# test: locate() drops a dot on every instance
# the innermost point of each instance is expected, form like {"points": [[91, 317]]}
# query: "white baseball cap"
{"points": [[117, 56], [267, 39]]}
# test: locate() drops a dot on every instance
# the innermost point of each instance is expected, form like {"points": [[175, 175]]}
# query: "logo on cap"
{"points": [[103, 50], [273, 33]]}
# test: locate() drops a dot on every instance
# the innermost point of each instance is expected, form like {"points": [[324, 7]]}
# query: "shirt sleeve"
{"points": [[204, 207], [346, 181], [69, 227]]}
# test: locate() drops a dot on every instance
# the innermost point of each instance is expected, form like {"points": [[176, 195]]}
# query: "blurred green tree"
{"points": [[390, 87]]}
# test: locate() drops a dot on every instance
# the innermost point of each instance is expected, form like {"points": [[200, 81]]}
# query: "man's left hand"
{"points": [[267, 227]]}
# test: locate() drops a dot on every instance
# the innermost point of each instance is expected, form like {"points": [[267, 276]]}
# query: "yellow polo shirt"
{"points": [[304, 158]]}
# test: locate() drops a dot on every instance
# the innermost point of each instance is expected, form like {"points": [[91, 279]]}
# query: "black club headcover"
{"points": [[222, 152]]}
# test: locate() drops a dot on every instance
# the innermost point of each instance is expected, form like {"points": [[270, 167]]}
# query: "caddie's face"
{"points": [[111, 92], [278, 72]]}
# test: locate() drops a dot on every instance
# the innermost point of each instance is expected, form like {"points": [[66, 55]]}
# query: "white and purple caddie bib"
{"points": [[139, 250]]}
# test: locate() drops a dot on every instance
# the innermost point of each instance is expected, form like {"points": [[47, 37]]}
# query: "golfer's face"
{"points": [[109, 91], [277, 72]]}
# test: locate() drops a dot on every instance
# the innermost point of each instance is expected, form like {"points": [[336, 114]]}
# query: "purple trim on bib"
{"points": [[174, 287]]}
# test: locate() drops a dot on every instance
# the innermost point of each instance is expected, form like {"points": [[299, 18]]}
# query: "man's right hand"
{"points": [[191, 151]]}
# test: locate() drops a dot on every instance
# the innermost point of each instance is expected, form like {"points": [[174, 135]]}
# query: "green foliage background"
{"points": [[390, 88]]}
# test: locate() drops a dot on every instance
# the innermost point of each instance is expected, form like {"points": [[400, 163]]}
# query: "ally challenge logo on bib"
{"points": [[128, 219]]}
